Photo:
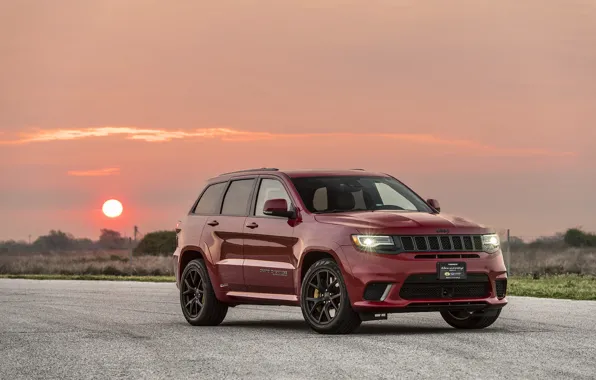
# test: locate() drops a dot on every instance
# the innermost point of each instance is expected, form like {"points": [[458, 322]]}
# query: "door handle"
{"points": [[252, 225], [213, 223]]}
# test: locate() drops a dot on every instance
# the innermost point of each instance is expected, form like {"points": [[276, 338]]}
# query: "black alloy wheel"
{"points": [[324, 300], [323, 297], [199, 303], [193, 292]]}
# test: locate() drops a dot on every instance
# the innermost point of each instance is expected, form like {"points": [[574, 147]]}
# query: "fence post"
{"points": [[508, 264]]}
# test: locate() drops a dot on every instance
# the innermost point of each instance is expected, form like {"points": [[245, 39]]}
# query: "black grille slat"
{"points": [[457, 244], [468, 246], [407, 243], [420, 243], [445, 243], [433, 243], [477, 243]]}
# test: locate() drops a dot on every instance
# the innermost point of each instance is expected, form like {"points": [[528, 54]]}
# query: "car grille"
{"points": [[501, 286], [441, 243], [427, 286]]}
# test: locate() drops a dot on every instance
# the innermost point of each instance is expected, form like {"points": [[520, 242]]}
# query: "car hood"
{"points": [[363, 220]]}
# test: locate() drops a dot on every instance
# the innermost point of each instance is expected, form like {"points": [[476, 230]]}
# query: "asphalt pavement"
{"points": [[134, 330]]}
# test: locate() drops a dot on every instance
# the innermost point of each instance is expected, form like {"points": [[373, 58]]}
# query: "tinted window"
{"points": [[270, 189], [237, 197], [353, 193], [209, 201]]}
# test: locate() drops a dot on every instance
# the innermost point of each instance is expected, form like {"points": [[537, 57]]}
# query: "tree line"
{"points": [[164, 242]]}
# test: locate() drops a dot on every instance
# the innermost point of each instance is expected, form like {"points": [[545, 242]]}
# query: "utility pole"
{"points": [[29, 239], [132, 244], [508, 251]]}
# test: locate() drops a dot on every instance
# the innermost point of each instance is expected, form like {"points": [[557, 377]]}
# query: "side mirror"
{"points": [[434, 204], [277, 207]]}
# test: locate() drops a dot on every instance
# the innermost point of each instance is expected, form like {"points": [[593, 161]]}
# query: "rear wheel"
{"points": [[462, 319], [324, 300], [199, 304]]}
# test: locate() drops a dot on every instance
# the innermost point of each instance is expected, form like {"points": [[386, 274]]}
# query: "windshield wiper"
{"points": [[339, 210], [388, 207]]}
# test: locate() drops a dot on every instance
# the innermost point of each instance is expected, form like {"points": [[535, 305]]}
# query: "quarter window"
{"points": [[209, 201]]}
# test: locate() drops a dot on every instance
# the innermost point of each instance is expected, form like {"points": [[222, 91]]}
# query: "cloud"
{"points": [[94, 173], [235, 135]]}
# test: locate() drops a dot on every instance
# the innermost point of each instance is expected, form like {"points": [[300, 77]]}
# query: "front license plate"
{"points": [[451, 271]]}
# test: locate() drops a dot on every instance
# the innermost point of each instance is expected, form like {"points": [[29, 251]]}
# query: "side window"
{"points": [[270, 189], [237, 197], [209, 201], [391, 197]]}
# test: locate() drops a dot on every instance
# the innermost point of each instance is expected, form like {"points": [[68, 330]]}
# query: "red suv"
{"points": [[346, 246]]}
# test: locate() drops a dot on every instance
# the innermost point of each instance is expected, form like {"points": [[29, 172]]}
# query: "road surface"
{"points": [[89, 329]]}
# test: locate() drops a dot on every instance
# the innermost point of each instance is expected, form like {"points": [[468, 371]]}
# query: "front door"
{"points": [[269, 260]]}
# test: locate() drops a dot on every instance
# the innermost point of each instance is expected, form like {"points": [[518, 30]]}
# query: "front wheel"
{"points": [[199, 304], [471, 320], [324, 300]]}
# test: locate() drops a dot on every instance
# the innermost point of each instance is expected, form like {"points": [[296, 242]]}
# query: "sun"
{"points": [[112, 208]]}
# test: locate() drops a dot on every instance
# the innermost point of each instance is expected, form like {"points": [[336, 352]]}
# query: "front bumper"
{"points": [[405, 283]]}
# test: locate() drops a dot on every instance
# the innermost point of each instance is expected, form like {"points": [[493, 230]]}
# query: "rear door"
{"points": [[269, 261], [222, 233]]}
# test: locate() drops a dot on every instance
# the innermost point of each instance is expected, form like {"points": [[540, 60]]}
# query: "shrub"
{"points": [[157, 243]]}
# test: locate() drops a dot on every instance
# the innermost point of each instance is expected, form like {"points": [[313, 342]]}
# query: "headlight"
{"points": [[490, 243], [373, 241]]}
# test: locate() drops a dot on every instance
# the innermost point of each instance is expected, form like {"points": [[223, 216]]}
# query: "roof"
{"points": [[295, 173]]}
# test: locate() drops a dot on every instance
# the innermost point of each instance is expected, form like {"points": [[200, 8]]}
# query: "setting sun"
{"points": [[112, 208]]}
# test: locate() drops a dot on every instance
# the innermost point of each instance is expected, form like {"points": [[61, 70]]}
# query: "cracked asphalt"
{"points": [[134, 330]]}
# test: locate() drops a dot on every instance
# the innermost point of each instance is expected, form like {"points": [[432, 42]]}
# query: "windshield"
{"points": [[357, 193]]}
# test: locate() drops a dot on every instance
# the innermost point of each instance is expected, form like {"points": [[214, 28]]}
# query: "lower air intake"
{"points": [[501, 286], [374, 291], [427, 287]]}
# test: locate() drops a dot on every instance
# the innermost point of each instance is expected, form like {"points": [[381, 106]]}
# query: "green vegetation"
{"points": [[567, 286], [578, 238], [59, 241], [89, 277], [157, 243]]}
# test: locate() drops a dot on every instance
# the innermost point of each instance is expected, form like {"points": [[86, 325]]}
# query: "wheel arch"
{"points": [[312, 255], [187, 255]]}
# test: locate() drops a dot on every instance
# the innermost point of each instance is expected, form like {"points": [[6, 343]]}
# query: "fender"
{"points": [[335, 251]]}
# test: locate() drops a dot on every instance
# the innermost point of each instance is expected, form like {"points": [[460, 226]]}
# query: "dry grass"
{"points": [[115, 263], [533, 262], [540, 262]]}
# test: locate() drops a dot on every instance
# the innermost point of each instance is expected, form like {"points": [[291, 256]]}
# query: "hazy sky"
{"points": [[488, 106]]}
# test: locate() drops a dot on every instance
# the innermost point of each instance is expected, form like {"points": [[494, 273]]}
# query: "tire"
{"points": [[324, 300], [476, 320], [199, 304]]}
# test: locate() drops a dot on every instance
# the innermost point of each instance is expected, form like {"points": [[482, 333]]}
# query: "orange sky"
{"points": [[487, 106]]}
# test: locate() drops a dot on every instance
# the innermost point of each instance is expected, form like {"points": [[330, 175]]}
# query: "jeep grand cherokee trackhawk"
{"points": [[346, 246]]}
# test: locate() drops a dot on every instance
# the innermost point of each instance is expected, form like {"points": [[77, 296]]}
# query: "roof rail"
{"points": [[252, 170]]}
